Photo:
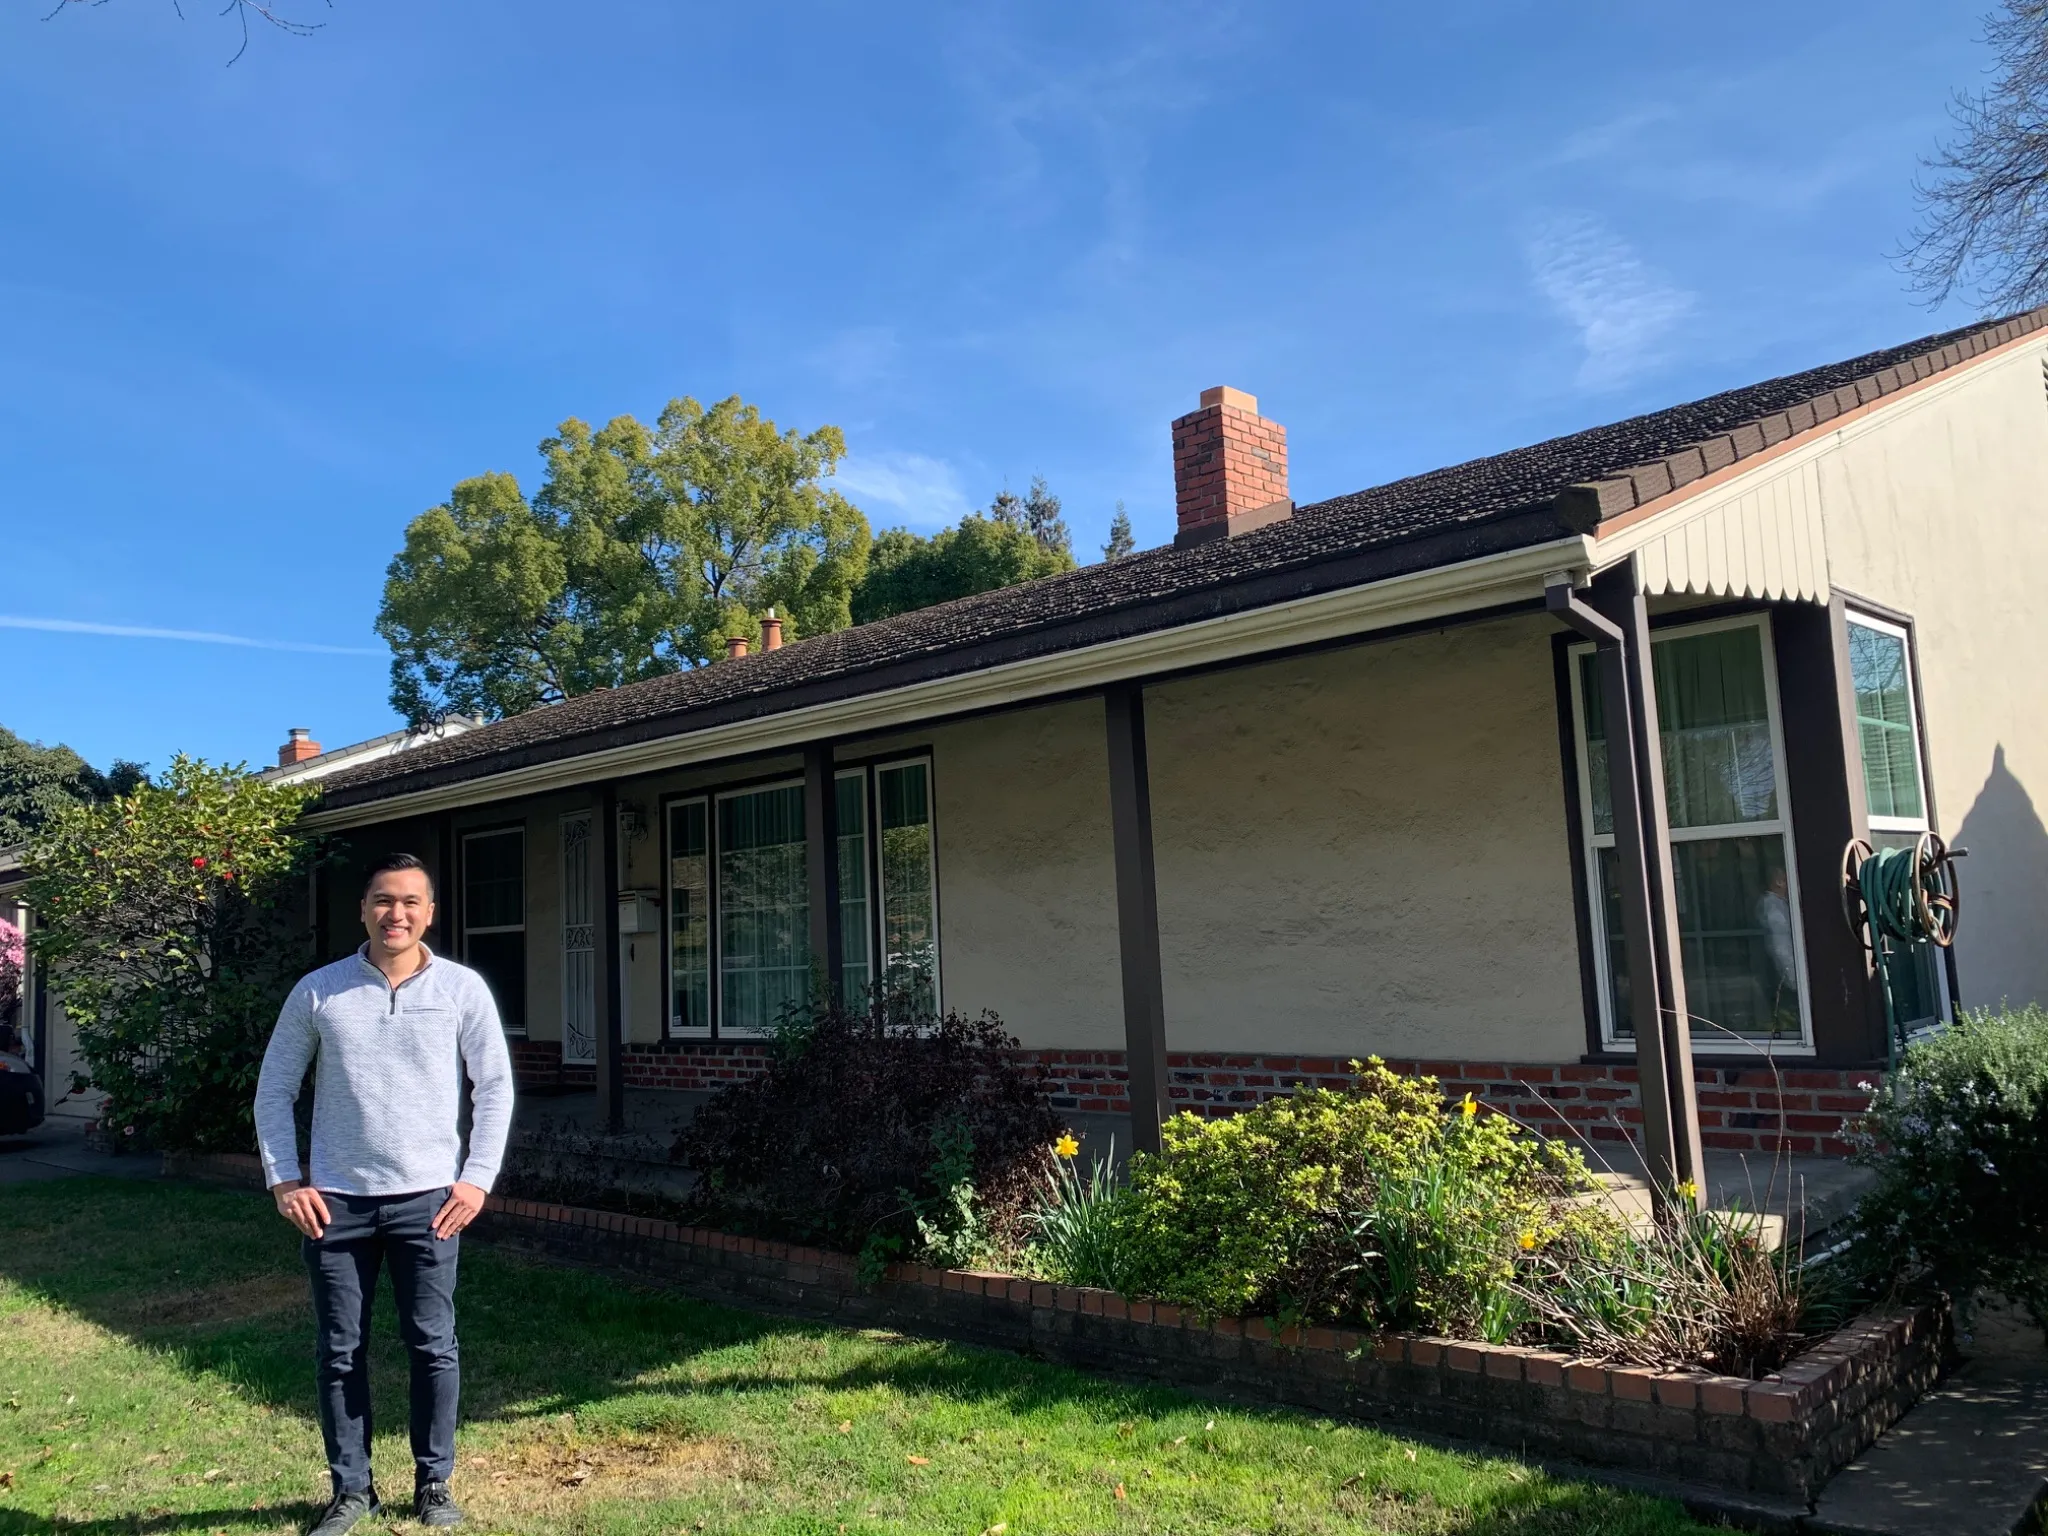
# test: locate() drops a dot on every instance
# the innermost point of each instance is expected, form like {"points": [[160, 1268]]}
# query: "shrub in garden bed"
{"points": [[881, 1131], [1958, 1136], [1384, 1207]]}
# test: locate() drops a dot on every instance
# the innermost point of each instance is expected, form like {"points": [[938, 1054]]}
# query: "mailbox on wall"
{"points": [[639, 912]]}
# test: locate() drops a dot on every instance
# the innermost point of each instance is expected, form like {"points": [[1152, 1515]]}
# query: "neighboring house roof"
{"points": [[335, 759], [1538, 494]]}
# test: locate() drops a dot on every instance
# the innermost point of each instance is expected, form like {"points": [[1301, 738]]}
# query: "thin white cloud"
{"points": [[918, 489], [196, 636], [1624, 312]]}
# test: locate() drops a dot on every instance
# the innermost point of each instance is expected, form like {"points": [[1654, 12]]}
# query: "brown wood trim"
{"points": [[1720, 477], [1824, 781], [1561, 645]]}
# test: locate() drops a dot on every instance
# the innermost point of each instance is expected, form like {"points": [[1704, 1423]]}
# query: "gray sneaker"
{"points": [[345, 1511], [434, 1505]]}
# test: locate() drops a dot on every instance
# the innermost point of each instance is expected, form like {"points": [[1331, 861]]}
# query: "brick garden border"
{"points": [[1781, 1437]]}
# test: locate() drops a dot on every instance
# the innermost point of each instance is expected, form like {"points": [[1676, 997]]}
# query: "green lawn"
{"points": [[155, 1376]]}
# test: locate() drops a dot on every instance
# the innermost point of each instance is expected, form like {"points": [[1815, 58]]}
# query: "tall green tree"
{"points": [[171, 919], [39, 782], [1121, 543], [643, 550], [1018, 539]]}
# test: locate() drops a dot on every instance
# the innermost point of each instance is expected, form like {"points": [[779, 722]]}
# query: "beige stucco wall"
{"points": [[1365, 851], [1942, 512], [1359, 851], [1027, 878]]}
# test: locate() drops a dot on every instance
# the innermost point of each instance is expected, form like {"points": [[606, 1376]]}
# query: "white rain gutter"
{"points": [[1442, 592]]}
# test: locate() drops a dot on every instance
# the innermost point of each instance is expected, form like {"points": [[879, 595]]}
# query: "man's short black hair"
{"points": [[392, 861]]}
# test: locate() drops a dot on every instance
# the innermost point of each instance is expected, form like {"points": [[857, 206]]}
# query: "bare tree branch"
{"points": [[240, 9], [1983, 227]]}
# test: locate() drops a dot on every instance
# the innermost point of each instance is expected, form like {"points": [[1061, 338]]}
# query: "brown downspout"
{"points": [[1671, 1144]]}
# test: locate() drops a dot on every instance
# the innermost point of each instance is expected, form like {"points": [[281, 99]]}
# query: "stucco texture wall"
{"points": [[1942, 513], [1364, 851], [1027, 879]]}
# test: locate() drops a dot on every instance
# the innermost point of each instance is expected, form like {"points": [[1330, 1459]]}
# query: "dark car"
{"points": [[21, 1095]]}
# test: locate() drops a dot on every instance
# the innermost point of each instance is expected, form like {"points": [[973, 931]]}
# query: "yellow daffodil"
{"points": [[1688, 1191], [1468, 1109], [1527, 1240], [1066, 1146]]}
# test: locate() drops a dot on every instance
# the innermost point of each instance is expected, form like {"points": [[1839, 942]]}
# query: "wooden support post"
{"points": [[1617, 593], [1614, 618], [821, 839], [609, 1012], [1137, 912]]}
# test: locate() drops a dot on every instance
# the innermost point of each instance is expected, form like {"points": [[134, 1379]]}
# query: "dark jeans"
{"points": [[365, 1231]]}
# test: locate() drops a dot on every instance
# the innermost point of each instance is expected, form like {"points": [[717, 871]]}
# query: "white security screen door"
{"points": [[579, 945]]}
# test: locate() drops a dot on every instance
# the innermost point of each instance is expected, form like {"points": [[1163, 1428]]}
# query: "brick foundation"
{"points": [[1743, 1108], [1740, 1105]]}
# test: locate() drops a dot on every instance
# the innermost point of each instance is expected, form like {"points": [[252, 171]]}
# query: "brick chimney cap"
{"points": [[1236, 399]]}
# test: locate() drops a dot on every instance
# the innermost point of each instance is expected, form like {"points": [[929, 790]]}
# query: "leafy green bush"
{"points": [[1373, 1202], [171, 921], [1958, 1136]]}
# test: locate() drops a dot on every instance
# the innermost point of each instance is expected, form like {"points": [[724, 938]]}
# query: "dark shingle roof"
{"points": [[1510, 500]]}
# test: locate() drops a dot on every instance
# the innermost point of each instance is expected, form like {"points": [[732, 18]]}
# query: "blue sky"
{"points": [[258, 317]]}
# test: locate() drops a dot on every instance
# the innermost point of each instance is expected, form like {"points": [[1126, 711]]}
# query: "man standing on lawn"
{"points": [[390, 1032]]}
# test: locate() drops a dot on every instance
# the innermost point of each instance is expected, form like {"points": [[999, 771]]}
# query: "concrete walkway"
{"points": [[56, 1149], [1969, 1459]]}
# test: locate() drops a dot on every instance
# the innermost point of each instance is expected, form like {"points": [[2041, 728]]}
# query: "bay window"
{"points": [[1736, 889]]}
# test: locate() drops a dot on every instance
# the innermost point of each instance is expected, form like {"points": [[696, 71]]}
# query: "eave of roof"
{"points": [[1486, 507]]}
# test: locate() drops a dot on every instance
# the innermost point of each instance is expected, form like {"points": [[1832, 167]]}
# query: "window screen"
{"points": [[494, 917], [763, 907], [1883, 680], [689, 917], [910, 919]]}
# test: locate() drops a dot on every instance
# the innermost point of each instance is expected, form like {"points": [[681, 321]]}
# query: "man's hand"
{"points": [[301, 1206], [464, 1201]]}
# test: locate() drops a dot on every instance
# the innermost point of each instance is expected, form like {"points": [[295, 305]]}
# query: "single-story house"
{"points": [[1366, 776], [1317, 782]]}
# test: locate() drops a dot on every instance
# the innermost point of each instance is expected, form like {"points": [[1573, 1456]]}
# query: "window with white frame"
{"points": [[1888, 736], [494, 917], [739, 897], [1731, 837]]}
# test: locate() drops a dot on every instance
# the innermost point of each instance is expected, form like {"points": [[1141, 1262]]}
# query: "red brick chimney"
{"points": [[299, 745], [771, 632], [1229, 468]]}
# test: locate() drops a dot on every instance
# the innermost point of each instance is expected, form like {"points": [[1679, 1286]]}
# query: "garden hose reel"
{"points": [[1900, 896]]}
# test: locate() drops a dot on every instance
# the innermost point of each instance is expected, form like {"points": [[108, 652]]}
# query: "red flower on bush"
{"points": [[198, 861]]}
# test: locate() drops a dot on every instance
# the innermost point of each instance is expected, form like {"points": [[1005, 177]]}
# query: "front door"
{"points": [[579, 945]]}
